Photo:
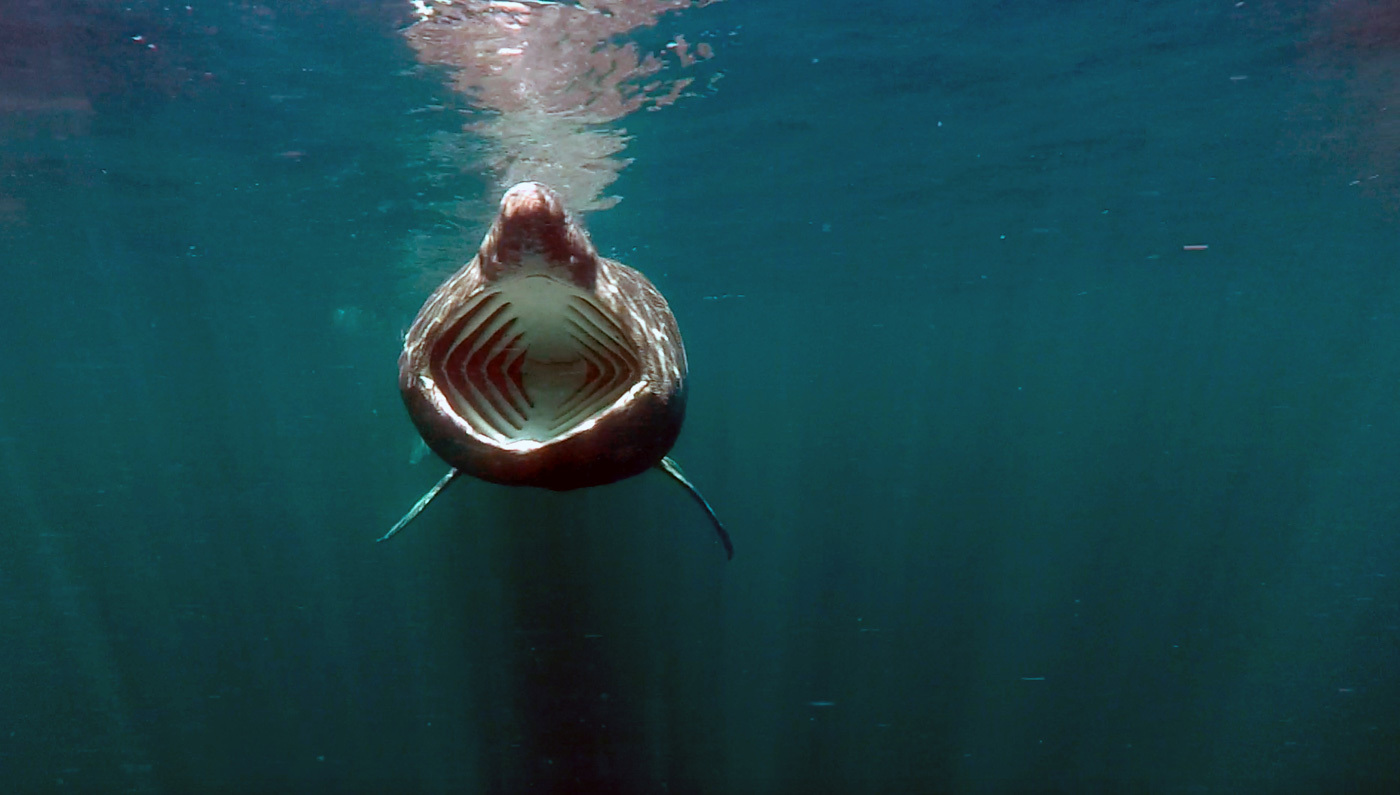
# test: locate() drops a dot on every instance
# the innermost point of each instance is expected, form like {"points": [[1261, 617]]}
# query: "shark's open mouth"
{"points": [[531, 357]]}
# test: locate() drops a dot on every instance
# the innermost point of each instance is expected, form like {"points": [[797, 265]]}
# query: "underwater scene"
{"points": [[699, 396]]}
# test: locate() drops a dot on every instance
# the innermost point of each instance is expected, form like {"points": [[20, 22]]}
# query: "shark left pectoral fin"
{"points": [[671, 468], [421, 504]]}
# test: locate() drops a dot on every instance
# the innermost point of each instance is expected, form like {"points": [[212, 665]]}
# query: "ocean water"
{"points": [[1044, 367]]}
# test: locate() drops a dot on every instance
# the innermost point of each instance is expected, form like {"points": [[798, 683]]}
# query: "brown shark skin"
{"points": [[627, 438], [532, 219]]}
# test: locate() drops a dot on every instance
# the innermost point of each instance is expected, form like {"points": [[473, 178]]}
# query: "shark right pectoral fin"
{"points": [[422, 503], [670, 467]]}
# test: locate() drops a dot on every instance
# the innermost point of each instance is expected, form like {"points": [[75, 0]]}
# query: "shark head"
{"points": [[541, 363]]}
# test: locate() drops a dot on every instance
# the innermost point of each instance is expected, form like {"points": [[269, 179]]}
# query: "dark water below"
{"points": [[1026, 496]]}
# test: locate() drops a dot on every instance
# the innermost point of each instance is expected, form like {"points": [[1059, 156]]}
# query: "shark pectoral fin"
{"points": [[671, 468], [421, 504]]}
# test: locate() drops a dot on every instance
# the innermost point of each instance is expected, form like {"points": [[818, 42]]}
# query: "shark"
{"points": [[541, 363]]}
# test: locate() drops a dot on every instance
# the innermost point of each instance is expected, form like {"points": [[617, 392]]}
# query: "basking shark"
{"points": [[541, 363]]}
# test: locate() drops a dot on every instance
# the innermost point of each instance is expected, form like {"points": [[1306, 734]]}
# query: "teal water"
{"points": [[1026, 496]]}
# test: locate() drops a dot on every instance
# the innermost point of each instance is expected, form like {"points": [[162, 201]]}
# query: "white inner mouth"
{"points": [[532, 357]]}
